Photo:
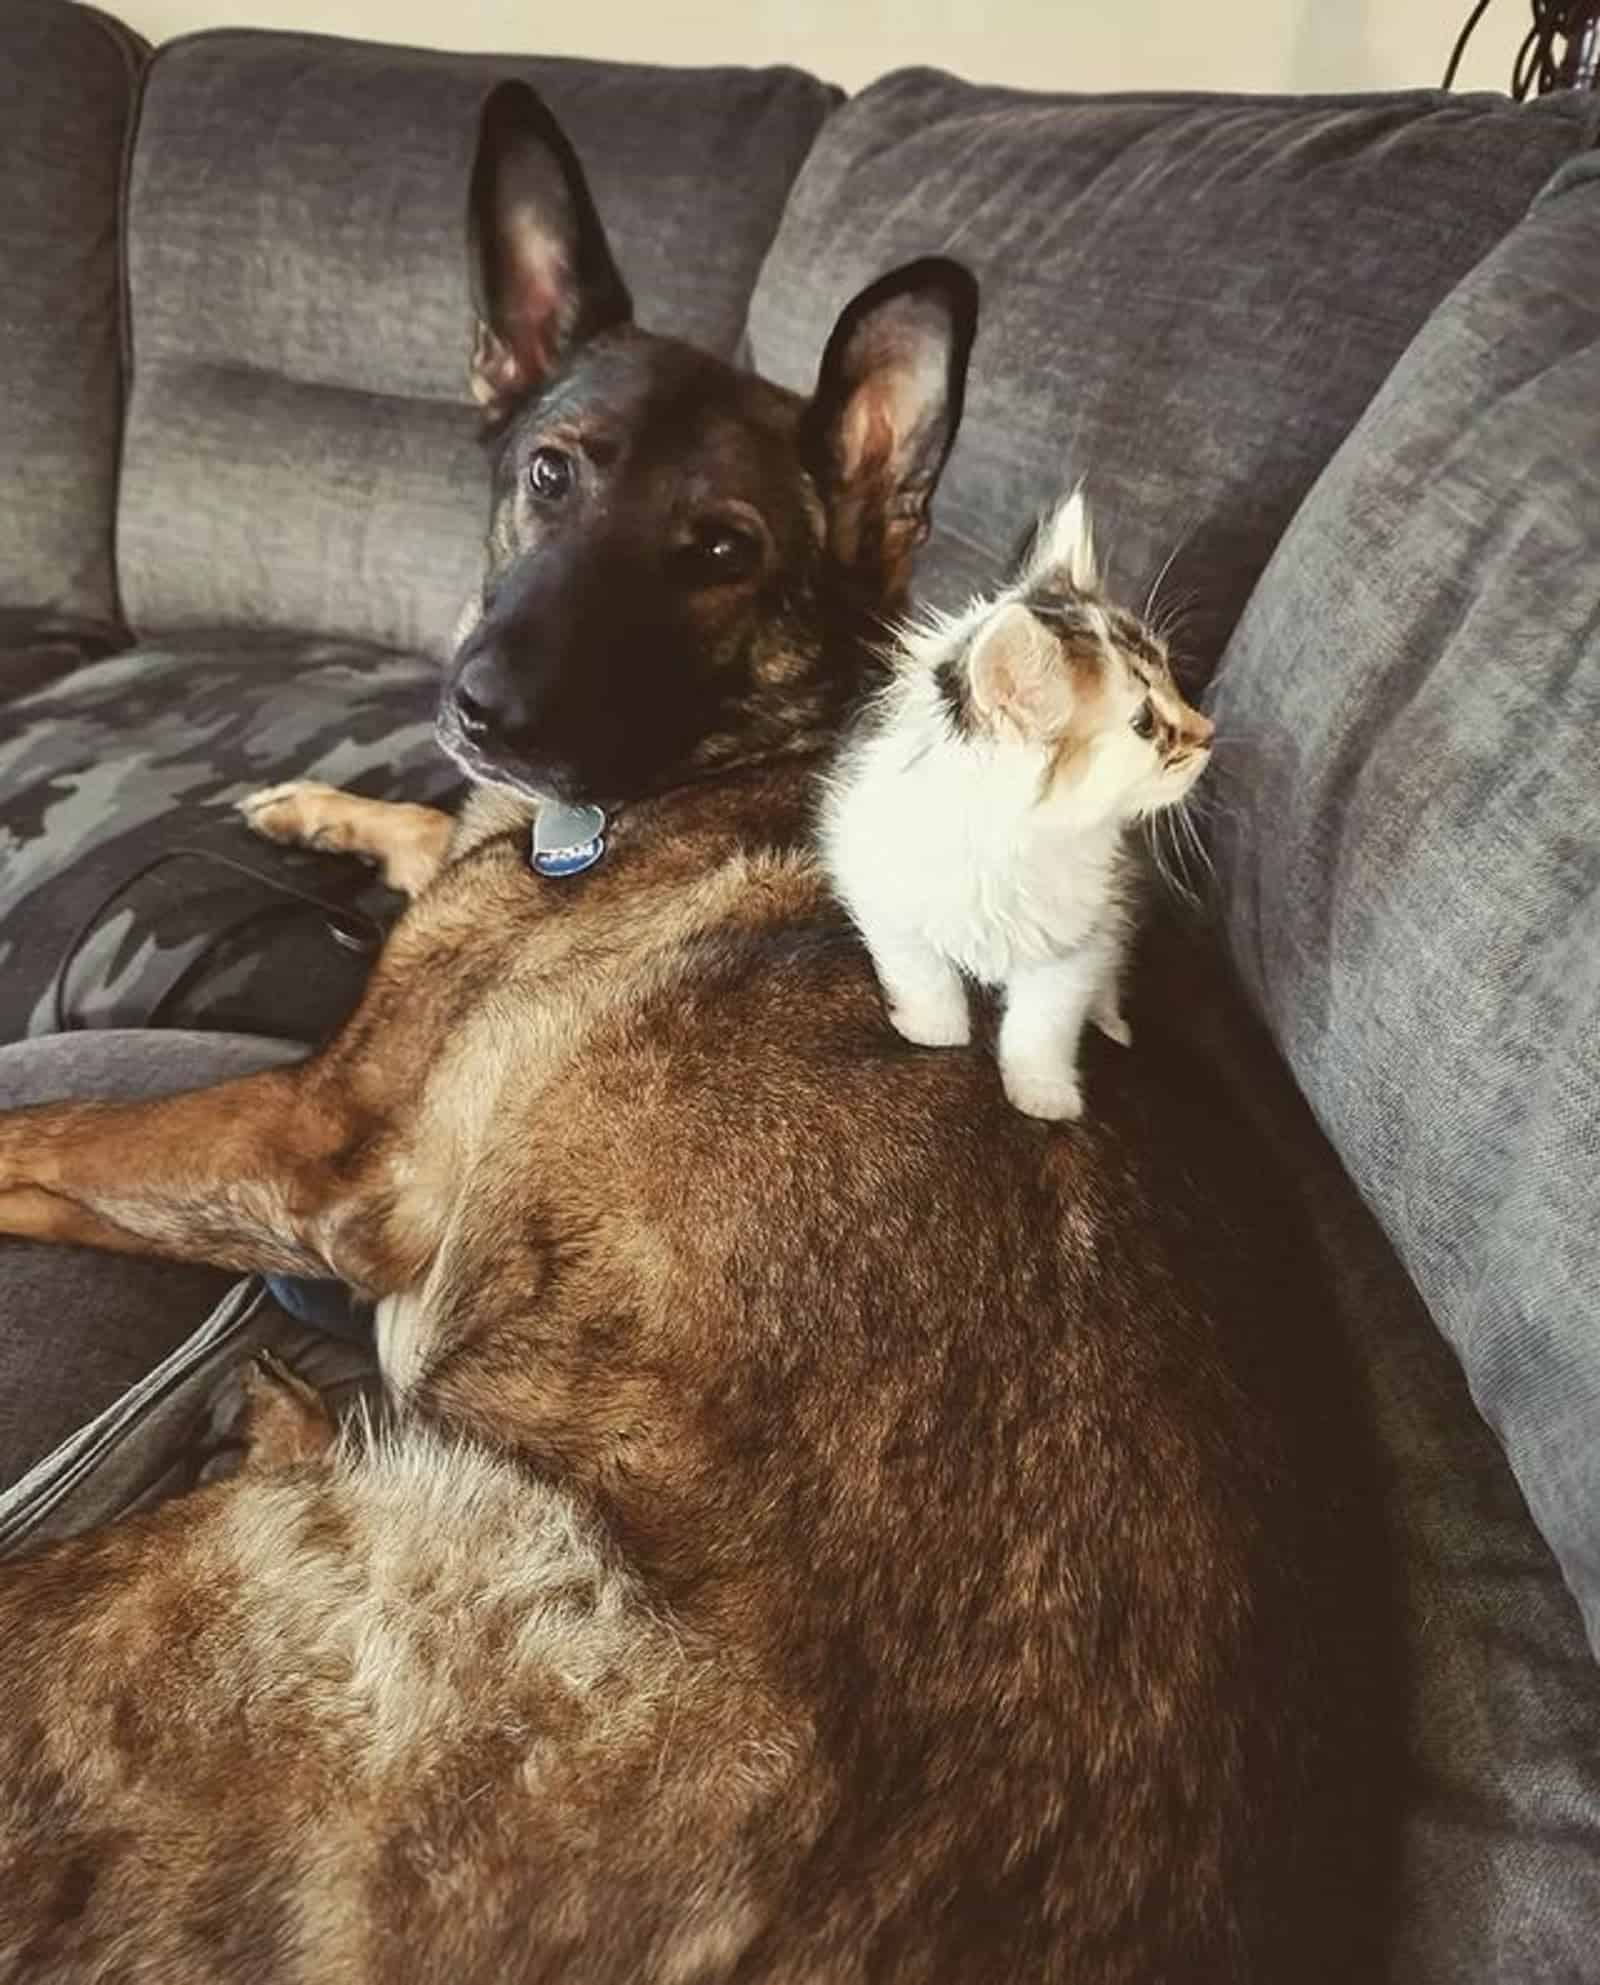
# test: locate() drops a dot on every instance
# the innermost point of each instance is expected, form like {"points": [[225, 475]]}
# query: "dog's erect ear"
{"points": [[1062, 550], [542, 273], [886, 409]]}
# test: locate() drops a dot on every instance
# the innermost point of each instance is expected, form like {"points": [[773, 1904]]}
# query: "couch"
{"points": [[1331, 369]]}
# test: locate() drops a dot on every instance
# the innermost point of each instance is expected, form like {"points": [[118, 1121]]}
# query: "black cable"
{"points": [[344, 924], [1540, 66], [1462, 39]]}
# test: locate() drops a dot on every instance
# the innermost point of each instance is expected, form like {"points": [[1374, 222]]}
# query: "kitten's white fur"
{"points": [[995, 848]]}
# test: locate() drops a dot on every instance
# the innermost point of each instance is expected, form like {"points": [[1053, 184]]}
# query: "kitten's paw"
{"points": [[1049, 1093], [932, 1024], [1115, 1028]]}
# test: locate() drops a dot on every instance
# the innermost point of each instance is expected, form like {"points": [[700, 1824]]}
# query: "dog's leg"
{"points": [[272, 1172], [406, 842]]}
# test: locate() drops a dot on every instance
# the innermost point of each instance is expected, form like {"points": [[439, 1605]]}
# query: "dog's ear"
{"points": [[542, 273], [886, 409]]}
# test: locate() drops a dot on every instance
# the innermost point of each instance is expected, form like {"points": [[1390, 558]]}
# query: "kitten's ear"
{"points": [[542, 274], [1017, 676], [886, 409], [1063, 549]]}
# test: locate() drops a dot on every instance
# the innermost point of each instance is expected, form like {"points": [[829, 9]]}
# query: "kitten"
{"points": [[975, 820]]}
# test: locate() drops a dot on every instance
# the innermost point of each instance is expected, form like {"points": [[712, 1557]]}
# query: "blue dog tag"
{"points": [[566, 839]]}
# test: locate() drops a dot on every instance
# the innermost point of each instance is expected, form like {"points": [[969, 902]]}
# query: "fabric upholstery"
{"points": [[68, 80], [77, 1326], [1410, 839], [1187, 300], [301, 450], [143, 753], [1499, 1855]]}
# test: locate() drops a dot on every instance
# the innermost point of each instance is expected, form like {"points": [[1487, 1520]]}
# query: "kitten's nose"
{"points": [[1198, 732]]}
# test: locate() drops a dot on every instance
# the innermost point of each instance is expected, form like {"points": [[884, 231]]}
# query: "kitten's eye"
{"points": [[1144, 720], [721, 554], [549, 474]]}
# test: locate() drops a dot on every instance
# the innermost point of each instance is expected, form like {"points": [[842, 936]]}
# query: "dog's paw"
{"points": [[285, 1419], [1051, 1094], [300, 813], [263, 1416]]}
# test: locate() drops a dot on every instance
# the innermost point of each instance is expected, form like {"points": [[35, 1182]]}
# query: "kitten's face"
{"points": [[1060, 675]]}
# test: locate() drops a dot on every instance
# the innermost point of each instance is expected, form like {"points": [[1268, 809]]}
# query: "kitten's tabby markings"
{"points": [[976, 821]]}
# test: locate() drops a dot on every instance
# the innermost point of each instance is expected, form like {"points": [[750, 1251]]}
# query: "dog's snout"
{"points": [[477, 720], [488, 705]]}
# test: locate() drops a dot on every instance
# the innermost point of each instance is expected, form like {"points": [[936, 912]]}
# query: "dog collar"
{"points": [[566, 839]]}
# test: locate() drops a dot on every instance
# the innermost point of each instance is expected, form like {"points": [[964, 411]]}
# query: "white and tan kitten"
{"points": [[976, 820]]}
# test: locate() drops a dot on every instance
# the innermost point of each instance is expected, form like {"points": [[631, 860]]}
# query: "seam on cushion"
{"points": [[128, 42], [133, 125], [1262, 99], [743, 351], [226, 368], [447, 57], [135, 53]]}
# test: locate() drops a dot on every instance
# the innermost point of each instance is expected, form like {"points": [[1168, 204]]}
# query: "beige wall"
{"points": [[1045, 44]]}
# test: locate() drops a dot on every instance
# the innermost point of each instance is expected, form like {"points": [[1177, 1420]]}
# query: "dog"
{"points": [[831, 1529]]}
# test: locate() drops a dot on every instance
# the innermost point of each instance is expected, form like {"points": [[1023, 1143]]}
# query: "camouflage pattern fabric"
{"points": [[142, 755]]}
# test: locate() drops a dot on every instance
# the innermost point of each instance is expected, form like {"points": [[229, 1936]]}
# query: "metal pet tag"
{"points": [[567, 839]]}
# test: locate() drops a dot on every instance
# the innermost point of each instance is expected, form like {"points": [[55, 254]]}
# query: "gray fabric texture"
{"points": [[1499, 1863], [179, 1424], [301, 450], [68, 79], [1187, 300], [78, 1327], [143, 753], [1410, 839]]}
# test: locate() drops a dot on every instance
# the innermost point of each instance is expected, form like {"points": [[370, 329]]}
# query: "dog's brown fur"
{"points": [[833, 1529], [863, 1550]]}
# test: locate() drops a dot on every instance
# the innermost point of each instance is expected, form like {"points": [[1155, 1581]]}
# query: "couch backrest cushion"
{"points": [[1187, 300], [301, 451], [68, 82], [1409, 834]]}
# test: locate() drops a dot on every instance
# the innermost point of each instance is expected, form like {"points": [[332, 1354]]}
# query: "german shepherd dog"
{"points": [[832, 1528]]}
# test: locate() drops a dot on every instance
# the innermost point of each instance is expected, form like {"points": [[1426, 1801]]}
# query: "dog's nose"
{"points": [[487, 703], [476, 718]]}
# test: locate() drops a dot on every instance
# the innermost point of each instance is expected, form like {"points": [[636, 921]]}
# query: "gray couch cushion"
{"points": [[1499, 1855], [1186, 299], [140, 755], [301, 449], [1410, 842], [68, 78]]}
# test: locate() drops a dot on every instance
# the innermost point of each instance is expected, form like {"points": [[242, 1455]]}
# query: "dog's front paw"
{"points": [[1048, 1093], [300, 813]]}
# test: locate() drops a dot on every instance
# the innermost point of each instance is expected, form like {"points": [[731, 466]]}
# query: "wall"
{"points": [[1045, 44]]}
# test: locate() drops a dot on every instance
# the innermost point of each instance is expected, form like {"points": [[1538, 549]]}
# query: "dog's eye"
{"points": [[722, 554], [1144, 720], [549, 473]]}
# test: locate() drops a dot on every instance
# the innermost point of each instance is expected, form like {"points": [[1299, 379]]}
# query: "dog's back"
{"points": [[925, 1595]]}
